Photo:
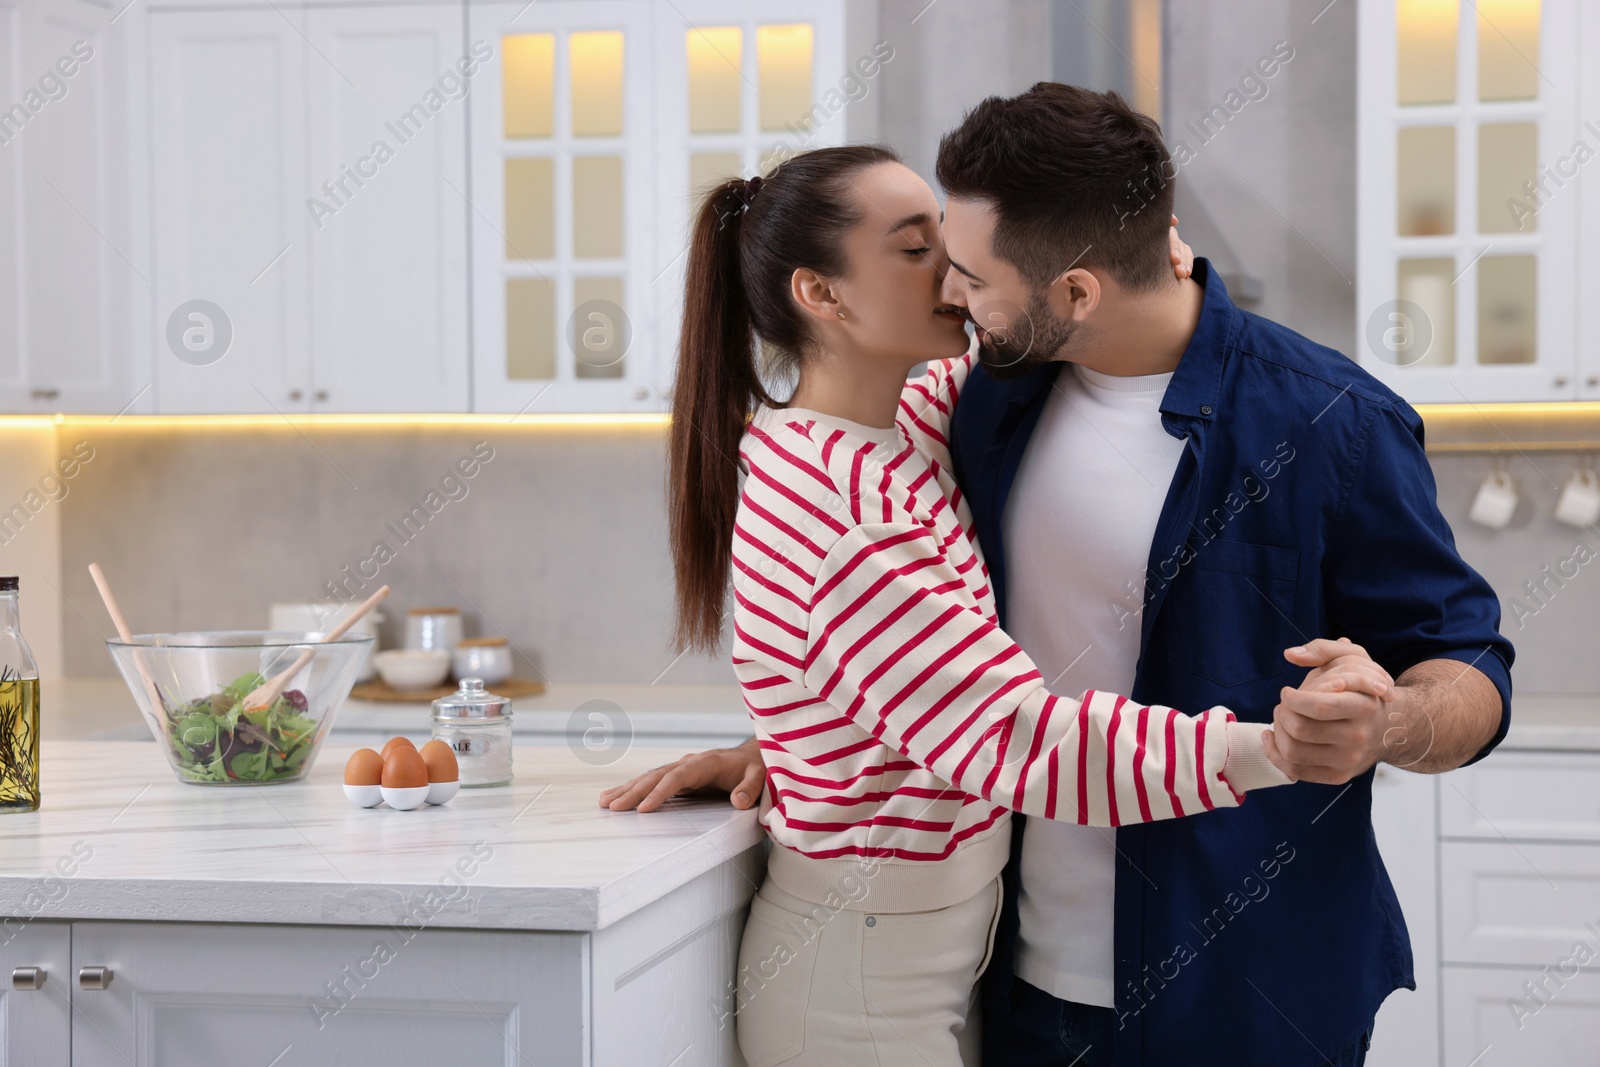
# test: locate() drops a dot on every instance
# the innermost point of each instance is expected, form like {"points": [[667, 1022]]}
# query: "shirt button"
{"points": [[872, 920], [1205, 409]]}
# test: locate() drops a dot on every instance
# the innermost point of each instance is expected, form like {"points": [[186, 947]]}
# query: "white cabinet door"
{"points": [[35, 1023], [1517, 903], [1522, 1018], [71, 275], [199, 995], [563, 162], [1468, 218], [1404, 817], [1524, 796], [231, 228], [387, 206]]}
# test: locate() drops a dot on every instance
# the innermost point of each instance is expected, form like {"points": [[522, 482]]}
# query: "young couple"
{"points": [[1195, 490]]}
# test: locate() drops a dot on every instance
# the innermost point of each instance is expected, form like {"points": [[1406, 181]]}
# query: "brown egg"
{"points": [[404, 769], [441, 761], [396, 742], [365, 768]]}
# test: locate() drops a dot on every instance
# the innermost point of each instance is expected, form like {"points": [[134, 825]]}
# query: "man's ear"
{"points": [[815, 294], [1075, 294]]}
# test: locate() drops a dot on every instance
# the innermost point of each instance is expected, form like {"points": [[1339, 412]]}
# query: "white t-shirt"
{"points": [[1078, 527]]}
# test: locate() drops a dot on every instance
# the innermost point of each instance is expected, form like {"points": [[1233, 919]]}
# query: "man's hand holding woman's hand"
{"points": [[1332, 727], [738, 772]]}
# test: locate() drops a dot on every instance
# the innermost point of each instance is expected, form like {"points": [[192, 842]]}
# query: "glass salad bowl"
{"points": [[191, 689]]}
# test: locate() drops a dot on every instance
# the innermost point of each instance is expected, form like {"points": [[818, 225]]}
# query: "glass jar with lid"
{"points": [[476, 724]]}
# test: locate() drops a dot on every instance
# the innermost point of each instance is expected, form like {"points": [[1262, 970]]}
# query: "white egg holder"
{"points": [[370, 796]]}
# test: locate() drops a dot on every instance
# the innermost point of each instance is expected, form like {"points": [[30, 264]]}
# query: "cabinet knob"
{"points": [[1561, 381], [1592, 380], [27, 978], [321, 394], [46, 393], [295, 394], [94, 977]]}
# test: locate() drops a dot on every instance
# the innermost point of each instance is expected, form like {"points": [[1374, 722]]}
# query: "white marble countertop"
{"points": [[549, 857]]}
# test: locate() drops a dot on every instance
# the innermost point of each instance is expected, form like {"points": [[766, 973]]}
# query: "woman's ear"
{"points": [[815, 294], [1075, 294]]}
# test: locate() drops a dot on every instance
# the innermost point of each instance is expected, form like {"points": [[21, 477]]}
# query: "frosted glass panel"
{"points": [[1429, 284], [528, 85], [1507, 309], [1508, 49], [1425, 50], [714, 78], [596, 60], [1507, 158], [530, 329], [530, 209], [597, 207], [710, 168], [1425, 160], [783, 54], [599, 333]]}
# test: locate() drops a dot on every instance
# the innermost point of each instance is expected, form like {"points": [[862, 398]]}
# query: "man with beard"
{"points": [[1276, 492]]}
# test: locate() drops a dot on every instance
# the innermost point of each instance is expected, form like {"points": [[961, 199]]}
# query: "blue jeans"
{"points": [[1037, 1030]]}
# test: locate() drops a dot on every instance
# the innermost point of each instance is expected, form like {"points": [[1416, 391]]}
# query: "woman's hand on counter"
{"points": [[737, 771]]}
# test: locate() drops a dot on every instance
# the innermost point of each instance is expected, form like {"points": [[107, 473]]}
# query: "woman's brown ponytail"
{"points": [[748, 239]]}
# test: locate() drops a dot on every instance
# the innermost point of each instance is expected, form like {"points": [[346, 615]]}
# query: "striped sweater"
{"points": [[899, 724]]}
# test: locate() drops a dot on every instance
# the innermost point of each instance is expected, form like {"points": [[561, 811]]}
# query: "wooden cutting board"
{"points": [[382, 692]]}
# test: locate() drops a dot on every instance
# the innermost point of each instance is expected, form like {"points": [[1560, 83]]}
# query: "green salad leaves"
{"points": [[214, 739]]}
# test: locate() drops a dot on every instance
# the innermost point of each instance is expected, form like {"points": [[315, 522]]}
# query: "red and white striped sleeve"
{"points": [[928, 401], [895, 645]]}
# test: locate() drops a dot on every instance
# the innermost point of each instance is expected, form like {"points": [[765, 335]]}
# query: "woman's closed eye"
{"points": [[916, 251]]}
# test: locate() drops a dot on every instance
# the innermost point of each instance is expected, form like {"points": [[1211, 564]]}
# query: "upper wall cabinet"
{"points": [[309, 192], [599, 122], [72, 281], [1475, 119]]}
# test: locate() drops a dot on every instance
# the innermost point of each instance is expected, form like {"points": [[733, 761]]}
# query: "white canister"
{"points": [[438, 628], [488, 658]]}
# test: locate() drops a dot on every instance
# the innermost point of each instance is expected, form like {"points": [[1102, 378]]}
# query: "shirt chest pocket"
{"points": [[1232, 612]]}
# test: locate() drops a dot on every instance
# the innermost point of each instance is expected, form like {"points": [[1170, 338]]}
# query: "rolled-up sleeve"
{"points": [[1395, 582]]}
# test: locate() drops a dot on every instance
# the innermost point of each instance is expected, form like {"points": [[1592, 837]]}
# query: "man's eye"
{"points": [[915, 251]]}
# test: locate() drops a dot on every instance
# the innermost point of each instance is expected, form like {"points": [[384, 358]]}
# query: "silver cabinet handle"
{"points": [[295, 394], [94, 977], [46, 393], [27, 978]]}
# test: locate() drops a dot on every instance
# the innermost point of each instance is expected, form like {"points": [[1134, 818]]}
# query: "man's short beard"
{"points": [[1037, 338]]}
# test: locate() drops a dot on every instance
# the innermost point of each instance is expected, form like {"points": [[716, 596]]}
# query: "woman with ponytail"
{"points": [[899, 724]]}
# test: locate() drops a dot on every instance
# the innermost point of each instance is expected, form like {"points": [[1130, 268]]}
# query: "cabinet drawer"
{"points": [[1490, 1009], [1550, 796], [1517, 903]]}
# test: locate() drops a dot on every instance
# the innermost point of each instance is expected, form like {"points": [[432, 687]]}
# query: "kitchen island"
{"points": [[175, 925]]}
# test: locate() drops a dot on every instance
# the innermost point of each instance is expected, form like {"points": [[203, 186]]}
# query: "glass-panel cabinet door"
{"points": [[1468, 208], [742, 85], [562, 155]]}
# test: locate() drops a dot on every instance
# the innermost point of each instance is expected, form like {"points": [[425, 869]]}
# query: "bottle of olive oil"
{"points": [[19, 709]]}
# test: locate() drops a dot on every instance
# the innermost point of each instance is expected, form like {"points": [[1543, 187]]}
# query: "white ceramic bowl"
{"points": [[441, 792], [492, 663], [405, 799], [413, 668]]}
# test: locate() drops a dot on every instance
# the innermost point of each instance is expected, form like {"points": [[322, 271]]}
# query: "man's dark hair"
{"points": [[1075, 177]]}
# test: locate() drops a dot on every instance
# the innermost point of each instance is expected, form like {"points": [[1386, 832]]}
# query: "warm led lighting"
{"points": [[1425, 47], [1539, 408], [714, 57], [783, 60]]}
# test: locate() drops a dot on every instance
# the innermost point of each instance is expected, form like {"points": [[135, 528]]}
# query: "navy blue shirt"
{"points": [[1302, 507]]}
